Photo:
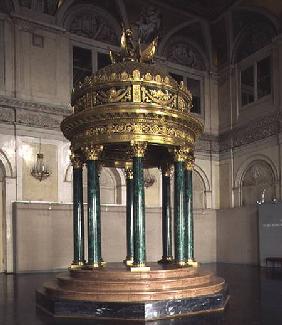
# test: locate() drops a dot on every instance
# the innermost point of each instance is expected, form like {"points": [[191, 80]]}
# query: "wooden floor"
{"points": [[256, 299]]}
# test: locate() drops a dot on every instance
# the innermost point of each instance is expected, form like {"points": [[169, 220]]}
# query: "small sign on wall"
{"points": [[270, 234]]}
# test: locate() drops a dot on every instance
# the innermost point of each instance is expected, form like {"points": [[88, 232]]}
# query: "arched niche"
{"points": [[258, 183], [201, 187], [2, 215], [92, 22], [185, 52], [152, 179], [110, 186], [199, 192], [6, 165]]}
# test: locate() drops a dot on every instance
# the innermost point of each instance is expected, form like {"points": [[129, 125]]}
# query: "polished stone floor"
{"points": [[256, 298]]}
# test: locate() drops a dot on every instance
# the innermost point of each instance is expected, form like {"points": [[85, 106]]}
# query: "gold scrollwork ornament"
{"points": [[92, 152], [180, 154], [128, 172], [189, 163], [166, 169], [138, 148], [76, 161]]}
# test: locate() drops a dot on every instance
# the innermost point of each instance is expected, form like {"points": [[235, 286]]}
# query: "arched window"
{"points": [[258, 183]]}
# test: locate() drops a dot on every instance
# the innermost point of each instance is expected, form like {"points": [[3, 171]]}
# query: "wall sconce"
{"points": [[40, 170], [149, 179]]}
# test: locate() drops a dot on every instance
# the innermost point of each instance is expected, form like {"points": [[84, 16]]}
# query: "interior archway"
{"points": [[199, 192], [2, 217], [110, 186]]}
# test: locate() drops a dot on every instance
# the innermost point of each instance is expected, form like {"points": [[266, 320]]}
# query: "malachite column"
{"points": [[179, 219], [139, 246], [189, 222], [129, 217], [94, 210], [78, 213], [166, 216]]}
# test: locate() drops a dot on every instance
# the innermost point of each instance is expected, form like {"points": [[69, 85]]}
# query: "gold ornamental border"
{"points": [[118, 124], [111, 87]]}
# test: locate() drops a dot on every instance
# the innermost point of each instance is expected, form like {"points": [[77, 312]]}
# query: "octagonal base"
{"points": [[116, 293]]}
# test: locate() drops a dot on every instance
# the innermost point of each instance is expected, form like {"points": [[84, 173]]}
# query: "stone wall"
{"points": [[43, 235], [237, 235]]}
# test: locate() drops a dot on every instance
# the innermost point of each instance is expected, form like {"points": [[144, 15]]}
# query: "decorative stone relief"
{"points": [[181, 51], [6, 115], [38, 120], [44, 6], [254, 131], [255, 37], [258, 184], [257, 130], [26, 3], [148, 24], [93, 26], [38, 107], [207, 143]]}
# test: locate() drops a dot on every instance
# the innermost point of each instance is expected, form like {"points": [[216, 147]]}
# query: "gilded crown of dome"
{"points": [[109, 84], [131, 100]]}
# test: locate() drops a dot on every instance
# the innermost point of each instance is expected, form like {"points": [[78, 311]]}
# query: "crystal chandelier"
{"points": [[40, 170]]}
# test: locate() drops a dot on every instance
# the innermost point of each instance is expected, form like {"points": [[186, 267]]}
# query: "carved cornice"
{"points": [[253, 131], [9, 102], [259, 129], [47, 116], [207, 143], [7, 115], [38, 120], [30, 114]]}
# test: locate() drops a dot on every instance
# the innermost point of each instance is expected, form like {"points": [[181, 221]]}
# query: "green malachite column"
{"points": [[129, 217], [189, 222], [139, 258], [179, 220], [78, 214], [94, 210], [166, 217]]}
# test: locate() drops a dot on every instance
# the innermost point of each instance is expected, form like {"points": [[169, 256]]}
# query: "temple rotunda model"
{"points": [[133, 115]]}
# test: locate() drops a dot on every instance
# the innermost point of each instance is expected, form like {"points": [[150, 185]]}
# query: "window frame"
{"points": [[191, 73], [252, 61], [89, 44]]}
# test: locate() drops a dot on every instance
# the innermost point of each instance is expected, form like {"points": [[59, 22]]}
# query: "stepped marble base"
{"points": [[116, 293]]}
